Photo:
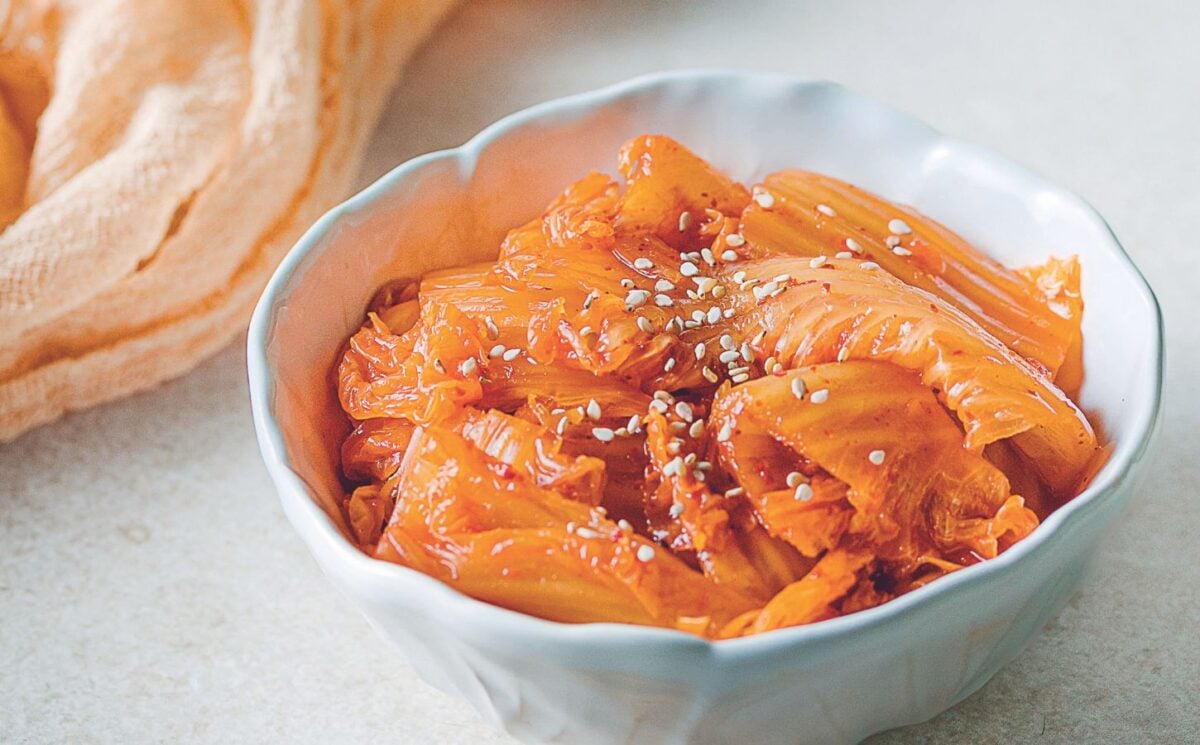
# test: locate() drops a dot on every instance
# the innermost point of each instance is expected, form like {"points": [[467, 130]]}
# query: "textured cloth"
{"points": [[157, 158]]}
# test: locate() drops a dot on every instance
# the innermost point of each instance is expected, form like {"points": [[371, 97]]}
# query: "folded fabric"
{"points": [[157, 158]]}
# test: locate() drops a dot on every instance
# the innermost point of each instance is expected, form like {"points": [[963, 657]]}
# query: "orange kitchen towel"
{"points": [[157, 158]]}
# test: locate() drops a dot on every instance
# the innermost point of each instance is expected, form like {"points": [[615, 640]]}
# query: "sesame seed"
{"points": [[781, 278], [511, 355], [696, 429], [644, 324], [778, 291], [635, 424], [688, 269], [692, 256], [670, 363], [691, 324], [698, 475], [843, 255], [794, 478], [700, 350], [892, 241], [468, 366], [636, 298], [798, 387], [621, 432], [819, 396], [685, 220], [728, 312], [868, 265], [739, 276], [826, 210], [726, 341], [684, 410], [736, 491], [586, 331], [697, 316], [673, 466], [659, 406], [603, 434], [593, 410], [674, 446], [818, 261], [729, 355], [437, 364], [645, 554], [853, 245], [740, 378], [759, 337], [876, 457], [704, 465], [718, 292], [496, 351], [663, 285], [843, 354], [901, 251], [709, 375], [643, 263], [735, 239], [898, 226], [676, 510], [627, 283], [725, 432], [714, 314], [689, 459], [704, 284], [562, 426], [707, 255], [623, 524], [765, 200], [663, 301], [804, 492], [591, 296], [692, 295], [772, 286], [586, 533], [729, 255], [571, 527], [492, 330], [738, 370]]}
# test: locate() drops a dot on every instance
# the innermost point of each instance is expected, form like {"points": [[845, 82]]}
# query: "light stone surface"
{"points": [[151, 589]]}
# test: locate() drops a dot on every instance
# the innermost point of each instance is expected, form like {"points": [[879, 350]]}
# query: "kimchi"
{"points": [[676, 401]]}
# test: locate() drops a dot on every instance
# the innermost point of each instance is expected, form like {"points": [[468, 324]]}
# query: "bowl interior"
{"points": [[452, 207]]}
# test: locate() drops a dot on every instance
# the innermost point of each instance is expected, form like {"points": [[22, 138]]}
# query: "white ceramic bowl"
{"points": [[835, 681]]}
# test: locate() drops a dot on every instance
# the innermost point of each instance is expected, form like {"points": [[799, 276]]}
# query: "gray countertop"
{"points": [[151, 589]]}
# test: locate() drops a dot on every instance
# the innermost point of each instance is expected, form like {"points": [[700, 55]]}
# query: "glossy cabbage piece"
{"points": [[912, 487], [668, 402], [483, 526], [812, 214], [835, 310]]}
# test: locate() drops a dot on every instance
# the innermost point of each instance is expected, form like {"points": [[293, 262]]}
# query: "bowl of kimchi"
{"points": [[710, 406]]}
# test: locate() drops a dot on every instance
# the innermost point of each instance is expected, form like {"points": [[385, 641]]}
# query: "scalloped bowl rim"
{"points": [[321, 534]]}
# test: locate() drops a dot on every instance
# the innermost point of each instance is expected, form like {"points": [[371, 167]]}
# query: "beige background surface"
{"points": [[151, 589]]}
